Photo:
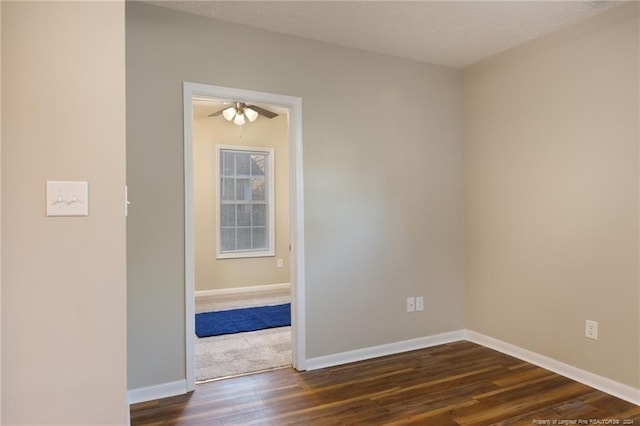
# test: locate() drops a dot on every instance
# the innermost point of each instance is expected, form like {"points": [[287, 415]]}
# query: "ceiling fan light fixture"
{"points": [[240, 112], [229, 113], [239, 119], [251, 114]]}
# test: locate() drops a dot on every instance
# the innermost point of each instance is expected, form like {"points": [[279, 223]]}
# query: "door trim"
{"points": [[296, 214]]}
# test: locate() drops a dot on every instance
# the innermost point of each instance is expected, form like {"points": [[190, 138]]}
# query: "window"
{"points": [[245, 219]]}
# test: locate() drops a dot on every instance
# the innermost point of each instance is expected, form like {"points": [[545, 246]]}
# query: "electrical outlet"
{"points": [[591, 330], [411, 304], [419, 303]]}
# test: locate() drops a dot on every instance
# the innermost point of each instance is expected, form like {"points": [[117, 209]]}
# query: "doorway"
{"points": [[291, 107], [241, 237]]}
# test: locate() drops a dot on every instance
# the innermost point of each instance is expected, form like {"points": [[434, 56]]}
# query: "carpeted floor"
{"points": [[241, 353]]}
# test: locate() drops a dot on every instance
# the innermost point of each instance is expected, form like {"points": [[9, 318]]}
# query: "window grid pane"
{"points": [[243, 201], [228, 239]]}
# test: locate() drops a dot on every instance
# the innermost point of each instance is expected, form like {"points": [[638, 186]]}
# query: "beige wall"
{"points": [[551, 163], [383, 191], [64, 279], [212, 273]]}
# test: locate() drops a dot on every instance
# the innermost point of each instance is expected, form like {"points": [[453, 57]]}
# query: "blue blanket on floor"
{"points": [[242, 320]]}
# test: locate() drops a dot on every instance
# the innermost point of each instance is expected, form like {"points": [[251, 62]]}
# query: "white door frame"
{"points": [[296, 214]]}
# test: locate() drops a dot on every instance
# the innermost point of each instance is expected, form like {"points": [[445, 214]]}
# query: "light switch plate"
{"points": [[67, 198]]}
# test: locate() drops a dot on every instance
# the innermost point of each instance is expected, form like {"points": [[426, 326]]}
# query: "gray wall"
{"points": [[383, 183], [551, 162]]}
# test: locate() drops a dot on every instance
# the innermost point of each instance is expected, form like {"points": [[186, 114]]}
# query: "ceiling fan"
{"points": [[239, 111]]}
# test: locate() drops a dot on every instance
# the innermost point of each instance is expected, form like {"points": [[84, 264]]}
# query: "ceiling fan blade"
{"points": [[262, 111], [217, 113]]}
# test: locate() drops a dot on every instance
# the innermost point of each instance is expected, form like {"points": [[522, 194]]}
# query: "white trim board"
{"points": [[151, 393], [617, 389], [239, 290], [384, 350]]}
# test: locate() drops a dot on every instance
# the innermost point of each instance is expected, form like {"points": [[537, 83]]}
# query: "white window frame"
{"points": [[269, 193]]}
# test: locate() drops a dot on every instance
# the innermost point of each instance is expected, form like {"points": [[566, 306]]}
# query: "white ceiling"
{"points": [[450, 33]]}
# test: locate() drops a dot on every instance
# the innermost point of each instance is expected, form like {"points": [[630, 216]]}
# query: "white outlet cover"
{"points": [[591, 330], [67, 198], [420, 303], [411, 304]]}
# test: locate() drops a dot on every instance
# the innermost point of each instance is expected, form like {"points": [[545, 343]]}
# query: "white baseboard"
{"points": [[383, 350], [236, 290], [151, 393], [617, 389]]}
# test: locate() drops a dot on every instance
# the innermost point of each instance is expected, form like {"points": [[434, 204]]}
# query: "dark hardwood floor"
{"points": [[455, 384]]}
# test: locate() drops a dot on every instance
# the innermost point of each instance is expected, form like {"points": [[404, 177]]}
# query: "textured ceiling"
{"points": [[451, 33]]}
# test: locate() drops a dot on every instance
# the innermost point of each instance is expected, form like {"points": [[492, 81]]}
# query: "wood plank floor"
{"points": [[454, 384]]}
